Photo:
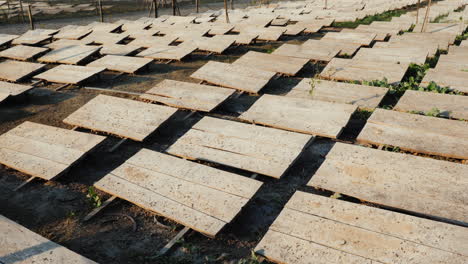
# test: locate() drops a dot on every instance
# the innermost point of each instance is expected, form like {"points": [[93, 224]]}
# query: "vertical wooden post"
{"points": [[326, 4], [31, 21], [155, 4], [150, 9], [173, 8], [226, 11], [426, 17], [101, 15], [197, 4], [232, 4], [21, 10], [417, 11]]}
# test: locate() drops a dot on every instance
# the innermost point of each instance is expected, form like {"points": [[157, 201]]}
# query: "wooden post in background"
{"points": [[21, 10], [417, 11], [155, 4], [31, 21], [150, 9], [173, 7], [426, 17], [101, 15], [326, 4], [232, 4], [226, 11], [197, 4]]}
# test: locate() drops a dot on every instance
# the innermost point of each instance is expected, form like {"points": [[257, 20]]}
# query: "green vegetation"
{"points": [[93, 197], [386, 16], [439, 18], [252, 260], [361, 114], [434, 112], [460, 38], [390, 148]]}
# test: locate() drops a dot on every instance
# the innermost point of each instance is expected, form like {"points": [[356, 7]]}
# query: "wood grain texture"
{"points": [[69, 54], [15, 71], [21, 52], [7, 38], [272, 62], [121, 63], [166, 52], [447, 77], [71, 74], [10, 89], [311, 51]]}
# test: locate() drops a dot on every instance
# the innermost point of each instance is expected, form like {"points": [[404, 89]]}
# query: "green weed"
{"points": [[361, 114], [93, 197], [252, 260], [386, 16]]}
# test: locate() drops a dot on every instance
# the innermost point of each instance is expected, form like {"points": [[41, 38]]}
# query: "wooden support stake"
{"points": [[426, 17], [232, 4], [61, 87], [101, 15], [22, 11], [226, 11], [155, 4], [173, 241], [97, 210], [189, 115], [173, 7], [31, 21], [117, 145], [24, 183], [417, 11], [151, 9], [326, 4], [197, 4]]}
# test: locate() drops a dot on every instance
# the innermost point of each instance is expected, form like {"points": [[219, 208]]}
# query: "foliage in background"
{"points": [[386, 16]]}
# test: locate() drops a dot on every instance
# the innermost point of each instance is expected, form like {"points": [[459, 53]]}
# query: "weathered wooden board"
{"points": [[381, 35], [219, 29], [61, 43], [334, 231], [417, 133], [70, 74], [118, 49], [300, 115], [447, 77], [363, 96], [70, 54], [15, 71], [122, 117], [392, 54], [73, 32], [269, 34], [457, 62], [458, 50], [44, 151], [148, 42], [195, 195], [234, 76], [243, 38], [21, 52], [188, 95], [422, 185], [310, 52], [104, 38], [22, 246], [362, 38], [11, 89], [453, 106], [34, 37], [362, 70], [272, 62], [217, 43], [430, 46], [142, 33], [121, 63], [257, 149], [443, 40], [440, 28], [294, 29], [103, 27], [464, 43], [166, 52], [7, 38]]}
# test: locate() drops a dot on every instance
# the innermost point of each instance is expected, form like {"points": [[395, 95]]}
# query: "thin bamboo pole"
{"points": [[226, 11], [426, 17]]}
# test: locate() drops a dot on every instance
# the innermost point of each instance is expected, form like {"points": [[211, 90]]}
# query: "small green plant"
{"points": [[390, 148], [386, 16], [93, 197], [336, 195], [433, 112], [313, 82], [252, 260], [361, 114]]}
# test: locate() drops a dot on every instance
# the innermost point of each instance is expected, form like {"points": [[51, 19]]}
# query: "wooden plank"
{"points": [[148, 42], [430, 46], [270, 33], [166, 52], [187, 95], [383, 179], [34, 37], [104, 38], [20, 245], [321, 225], [453, 106], [316, 52], [391, 54], [118, 49], [104, 27], [61, 43], [272, 62], [458, 50], [300, 115], [72, 32], [69, 54], [44, 151], [456, 80], [122, 117], [184, 192], [362, 70], [234, 76], [339, 92], [217, 43], [7, 38], [10, 89], [257, 149], [69, 74], [15, 71], [362, 38], [21, 52], [121, 63], [458, 62], [422, 134]]}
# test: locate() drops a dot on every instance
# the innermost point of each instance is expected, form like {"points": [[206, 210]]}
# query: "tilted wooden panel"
{"points": [[34, 37], [118, 49], [218, 43], [44, 151], [234, 76], [123, 117], [395, 55], [324, 53], [72, 32], [300, 115], [121, 63], [423, 134], [361, 70], [258, 149], [21, 52], [69, 54], [166, 52], [104, 38], [195, 195], [272, 62], [454, 106], [188, 95], [71, 74], [15, 71], [20, 245], [362, 38], [6, 38], [447, 77], [334, 231], [10, 89], [339, 92]]}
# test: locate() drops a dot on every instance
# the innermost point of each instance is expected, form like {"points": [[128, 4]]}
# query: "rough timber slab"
{"points": [[453, 106], [61, 43], [70, 74], [363, 96], [34, 37], [458, 50], [118, 49], [300, 115], [21, 246], [104, 38], [166, 52], [122, 117], [21, 52], [15, 71], [148, 42], [243, 38], [217, 43], [195, 195], [396, 55], [73, 32], [430, 46], [234, 76], [104, 27], [362, 70], [69, 54], [417, 133], [44, 151], [6, 38], [272, 62], [362, 38], [257, 149], [310, 52], [397, 180], [11, 89], [188, 95], [269, 34], [459, 62], [121, 63], [447, 77], [334, 231]]}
